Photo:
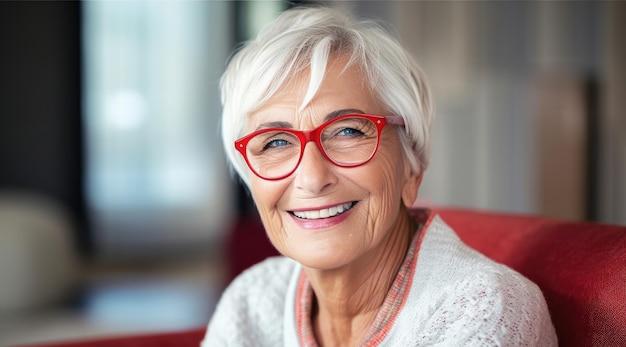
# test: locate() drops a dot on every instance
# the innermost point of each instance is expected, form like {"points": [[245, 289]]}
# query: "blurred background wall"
{"points": [[528, 98]]}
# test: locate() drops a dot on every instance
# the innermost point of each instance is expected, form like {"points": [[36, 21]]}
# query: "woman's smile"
{"points": [[322, 218]]}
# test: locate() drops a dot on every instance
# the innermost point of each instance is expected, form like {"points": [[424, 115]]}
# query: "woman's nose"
{"points": [[314, 172]]}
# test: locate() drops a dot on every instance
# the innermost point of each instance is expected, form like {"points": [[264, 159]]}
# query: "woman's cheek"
{"points": [[266, 195]]}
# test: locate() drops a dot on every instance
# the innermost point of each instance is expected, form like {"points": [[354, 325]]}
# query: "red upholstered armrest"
{"points": [[189, 338], [579, 266]]}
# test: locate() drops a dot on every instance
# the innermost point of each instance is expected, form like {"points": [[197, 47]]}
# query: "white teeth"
{"points": [[333, 211], [324, 213], [340, 208]]}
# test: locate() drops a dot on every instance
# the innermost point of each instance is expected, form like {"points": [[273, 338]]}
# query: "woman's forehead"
{"points": [[340, 90]]}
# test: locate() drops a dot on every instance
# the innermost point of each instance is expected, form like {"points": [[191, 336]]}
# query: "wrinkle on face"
{"points": [[392, 171]]}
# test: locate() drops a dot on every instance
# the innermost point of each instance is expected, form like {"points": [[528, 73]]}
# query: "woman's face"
{"points": [[371, 195]]}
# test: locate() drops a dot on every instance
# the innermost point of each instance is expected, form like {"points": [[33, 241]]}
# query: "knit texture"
{"points": [[456, 297]]}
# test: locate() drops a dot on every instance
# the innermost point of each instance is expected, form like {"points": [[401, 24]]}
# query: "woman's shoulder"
{"points": [[455, 270], [460, 264], [249, 309], [271, 274], [494, 303], [459, 284]]}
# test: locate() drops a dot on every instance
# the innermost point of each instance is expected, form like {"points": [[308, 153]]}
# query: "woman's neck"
{"points": [[346, 300]]}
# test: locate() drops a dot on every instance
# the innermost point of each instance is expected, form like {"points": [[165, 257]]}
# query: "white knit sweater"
{"points": [[457, 297]]}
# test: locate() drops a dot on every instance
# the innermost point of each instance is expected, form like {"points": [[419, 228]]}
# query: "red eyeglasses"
{"points": [[349, 140]]}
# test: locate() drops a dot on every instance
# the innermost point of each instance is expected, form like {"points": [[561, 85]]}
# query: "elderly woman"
{"points": [[327, 120]]}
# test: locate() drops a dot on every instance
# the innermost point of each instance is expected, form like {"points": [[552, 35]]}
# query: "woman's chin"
{"points": [[328, 258], [324, 244]]}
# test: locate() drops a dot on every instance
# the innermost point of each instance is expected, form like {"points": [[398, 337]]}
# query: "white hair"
{"points": [[308, 38]]}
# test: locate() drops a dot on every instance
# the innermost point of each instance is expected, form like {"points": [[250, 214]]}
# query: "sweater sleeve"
{"points": [[490, 308]]}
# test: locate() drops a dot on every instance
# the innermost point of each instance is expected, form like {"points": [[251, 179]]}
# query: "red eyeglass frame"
{"points": [[315, 135]]}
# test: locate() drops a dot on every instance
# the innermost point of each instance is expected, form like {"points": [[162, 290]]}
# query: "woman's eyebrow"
{"points": [[276, 124], [338, 113], [287, 125]]}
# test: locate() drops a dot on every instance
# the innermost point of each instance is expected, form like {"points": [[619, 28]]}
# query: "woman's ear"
{"points": [[411, 187]]}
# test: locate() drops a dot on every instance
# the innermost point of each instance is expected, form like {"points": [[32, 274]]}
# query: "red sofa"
{"points": [[580, 267]]}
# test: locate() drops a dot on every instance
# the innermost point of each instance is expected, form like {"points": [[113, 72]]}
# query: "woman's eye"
{"points": [[350, 132], [276, 144]]}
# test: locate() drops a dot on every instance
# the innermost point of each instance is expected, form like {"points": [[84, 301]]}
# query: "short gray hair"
{"points": [[307, 38]]}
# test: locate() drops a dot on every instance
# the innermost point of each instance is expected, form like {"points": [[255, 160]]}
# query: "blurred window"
{"points": [[156, 177]]}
